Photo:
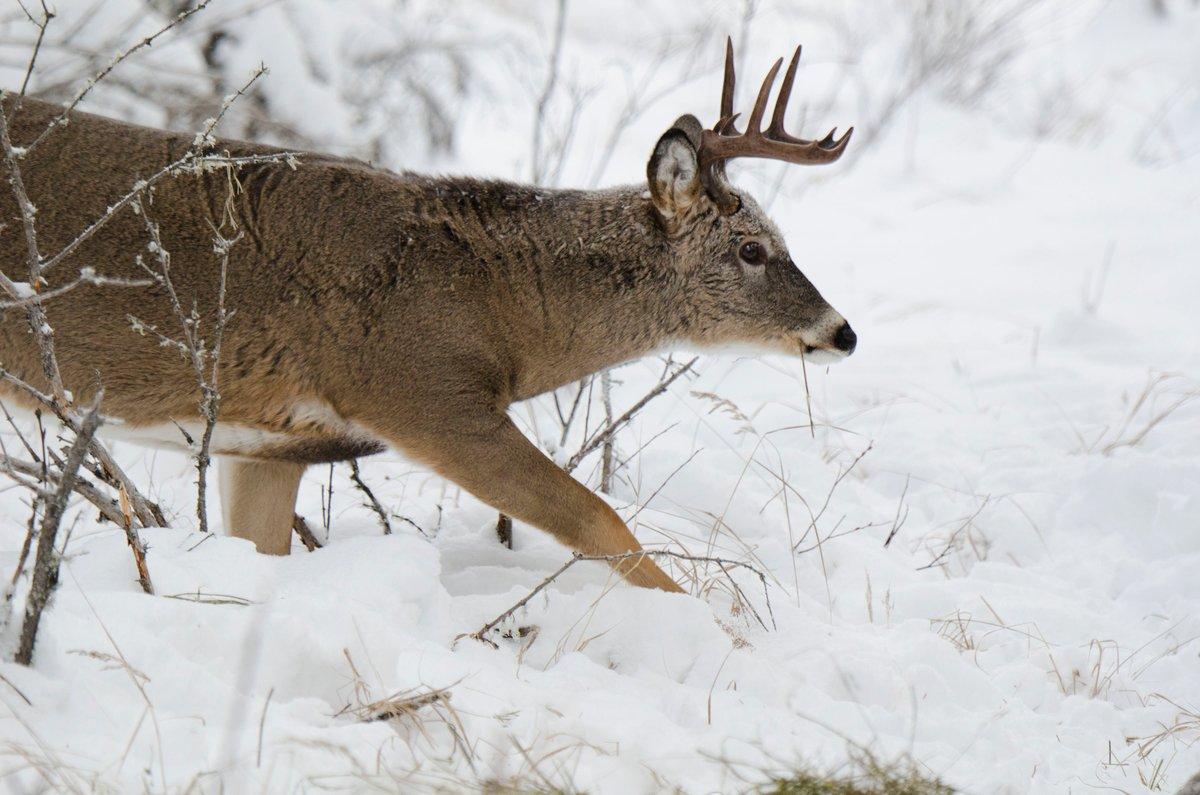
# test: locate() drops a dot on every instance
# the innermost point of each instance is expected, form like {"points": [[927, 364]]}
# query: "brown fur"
{"points": [[416, 308]]}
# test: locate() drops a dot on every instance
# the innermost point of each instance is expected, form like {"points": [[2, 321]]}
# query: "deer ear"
{"points": [[674, 171]]}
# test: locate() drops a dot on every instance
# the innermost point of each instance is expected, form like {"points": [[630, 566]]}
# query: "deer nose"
{"points": [[845, 339]]}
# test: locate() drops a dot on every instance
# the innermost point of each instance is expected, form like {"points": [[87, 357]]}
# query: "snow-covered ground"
{"points": [[1023, 270]]}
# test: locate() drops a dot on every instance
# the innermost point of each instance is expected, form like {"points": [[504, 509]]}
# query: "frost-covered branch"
{"points": [[87, 277], [204, 359], [204, 139], [191, 162]]}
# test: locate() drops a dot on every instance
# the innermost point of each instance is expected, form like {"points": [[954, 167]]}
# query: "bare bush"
{"points": [[132, 509]]}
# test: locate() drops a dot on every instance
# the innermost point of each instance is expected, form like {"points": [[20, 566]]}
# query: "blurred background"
{"points": [[980, 532], [554, 91]]}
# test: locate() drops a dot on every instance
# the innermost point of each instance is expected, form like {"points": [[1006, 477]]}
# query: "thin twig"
{"points": [[47, 15], [106, 505], [808, 398], [637, 555], [262, 725], [210, 395], [63, 118], [374, 504], [43, 332], [950, 543], [609, 429], [192, 345], [607, 449], [86, 277], [899, 520]]}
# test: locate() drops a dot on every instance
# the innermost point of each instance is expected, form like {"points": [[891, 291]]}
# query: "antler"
{"points": [[724, 142]]}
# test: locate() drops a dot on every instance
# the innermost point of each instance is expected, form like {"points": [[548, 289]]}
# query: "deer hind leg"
{"points": [[258, 501]]}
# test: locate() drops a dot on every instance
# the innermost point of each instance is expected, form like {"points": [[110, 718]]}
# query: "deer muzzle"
{"points": [[832, 340]]}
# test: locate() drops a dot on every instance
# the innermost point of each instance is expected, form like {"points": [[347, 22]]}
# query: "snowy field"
{"points": [[1016, 240]]}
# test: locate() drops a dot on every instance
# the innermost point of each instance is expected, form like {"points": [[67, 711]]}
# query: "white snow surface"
{"points": [[1023, 273]]}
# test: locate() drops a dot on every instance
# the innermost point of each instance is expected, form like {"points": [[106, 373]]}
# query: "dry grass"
{"points": [[1149, 756], [1161, 396], [394, 706]]}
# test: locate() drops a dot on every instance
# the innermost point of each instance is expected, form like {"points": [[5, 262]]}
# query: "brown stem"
{"points": [[504, 530], [135, 544], [305, 533], [46, 559], [375, 505]]}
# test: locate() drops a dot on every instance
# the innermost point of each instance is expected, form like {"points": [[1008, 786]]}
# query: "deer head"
{"points": [[742, 283]]}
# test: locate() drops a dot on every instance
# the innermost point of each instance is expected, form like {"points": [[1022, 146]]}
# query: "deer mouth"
{"points": [[837, 341], [822, 355]]}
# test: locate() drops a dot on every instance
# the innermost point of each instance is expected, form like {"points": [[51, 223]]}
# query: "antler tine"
{"points": [[723, 142], [775, 130], [833, 148], [754, 125], [727, 88], [725, 126]]}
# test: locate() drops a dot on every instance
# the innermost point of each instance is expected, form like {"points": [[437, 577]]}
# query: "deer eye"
{"points": [[752, 253]]}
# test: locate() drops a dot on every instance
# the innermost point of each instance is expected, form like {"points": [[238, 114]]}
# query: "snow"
{"points": [[1019, 413]]}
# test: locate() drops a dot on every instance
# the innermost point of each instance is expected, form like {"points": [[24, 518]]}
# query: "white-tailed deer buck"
{"points": [[378, 309]]}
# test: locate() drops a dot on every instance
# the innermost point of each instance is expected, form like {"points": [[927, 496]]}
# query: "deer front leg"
{"points": [[494, 461]]}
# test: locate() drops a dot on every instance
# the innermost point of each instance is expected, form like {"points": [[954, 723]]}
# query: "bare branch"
{"points": [[148, 514], [42, 331], [47, 15], [305, 533], [63, 118], [14, 468], [46, 559], [210, 401], [192, 345], [504, 530], [374, 504], [204, 139], [609, 429], [60, 401], [607, 450]]}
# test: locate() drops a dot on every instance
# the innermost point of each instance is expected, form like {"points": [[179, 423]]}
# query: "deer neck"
{"points": [[605, 290]]}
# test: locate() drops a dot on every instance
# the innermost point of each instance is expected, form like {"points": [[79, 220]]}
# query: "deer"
{"points": [[376, 309]]}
